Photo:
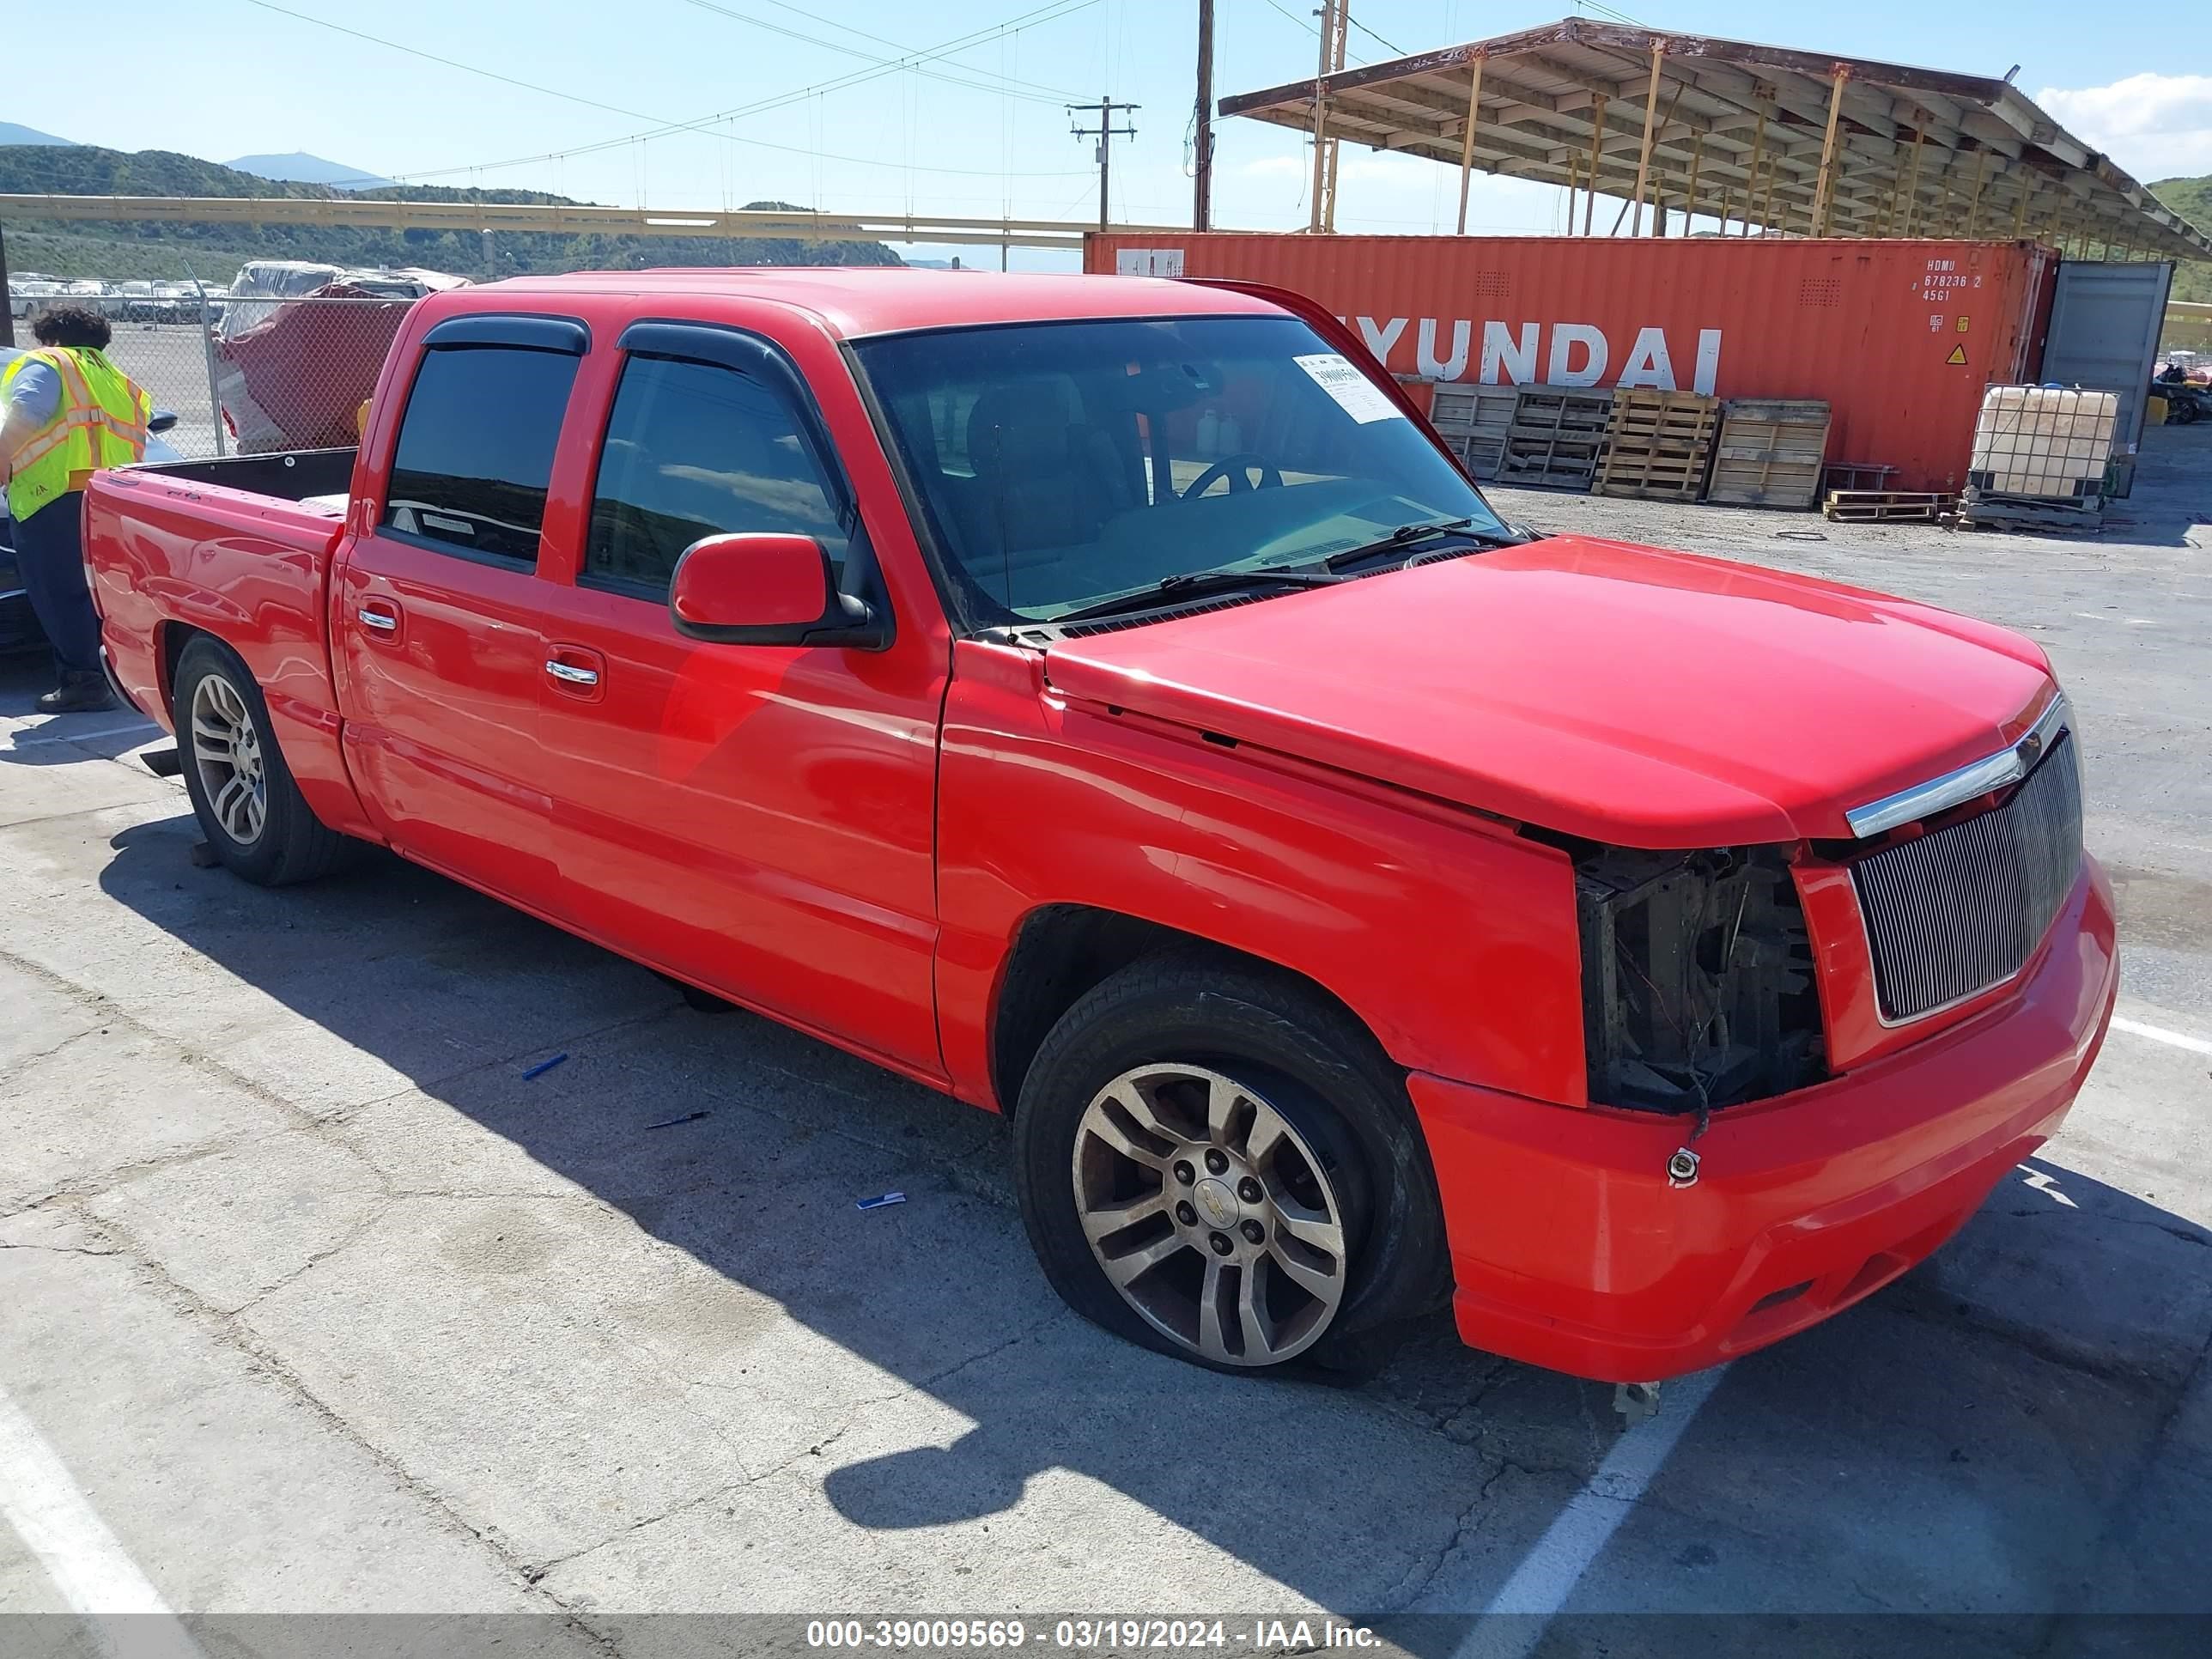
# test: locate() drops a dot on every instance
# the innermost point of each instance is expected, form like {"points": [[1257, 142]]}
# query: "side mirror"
{"points": [[161, 420], [767, 588]]}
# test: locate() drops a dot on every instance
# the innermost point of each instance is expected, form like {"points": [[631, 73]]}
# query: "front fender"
{"points": [[1451, 937]]}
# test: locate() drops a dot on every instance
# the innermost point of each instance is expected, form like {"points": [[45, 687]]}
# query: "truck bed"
{"points": [[291, 475], [239, 548]]}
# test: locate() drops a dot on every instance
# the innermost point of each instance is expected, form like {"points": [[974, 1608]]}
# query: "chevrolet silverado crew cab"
{"points": [[1104, 700]]}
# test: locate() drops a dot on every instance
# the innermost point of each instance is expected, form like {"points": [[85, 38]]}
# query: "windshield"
{"points": [[1068, 463]]}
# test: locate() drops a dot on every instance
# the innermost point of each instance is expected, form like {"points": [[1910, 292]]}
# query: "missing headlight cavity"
{"points": [[1698, 986]]}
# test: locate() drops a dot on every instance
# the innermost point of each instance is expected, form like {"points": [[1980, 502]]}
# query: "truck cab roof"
{"points": [[856, 301]]}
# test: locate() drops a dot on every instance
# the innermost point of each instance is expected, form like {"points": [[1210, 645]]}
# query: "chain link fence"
{"points": [[245, 377]]}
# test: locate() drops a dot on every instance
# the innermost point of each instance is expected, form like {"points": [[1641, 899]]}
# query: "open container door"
{"points": [[2105, 322]]}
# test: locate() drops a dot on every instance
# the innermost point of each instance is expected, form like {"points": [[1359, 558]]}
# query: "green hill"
{"points": [[214, 252], [2192, 199]]}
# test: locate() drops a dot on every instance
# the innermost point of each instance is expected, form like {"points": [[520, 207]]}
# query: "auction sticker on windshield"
{"points": [[1357, 395]]}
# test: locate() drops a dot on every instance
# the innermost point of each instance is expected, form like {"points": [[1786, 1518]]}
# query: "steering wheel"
{"points": [[1237, 469]]}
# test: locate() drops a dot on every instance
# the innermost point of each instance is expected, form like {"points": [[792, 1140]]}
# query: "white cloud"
{"points": [[2153, 125]]}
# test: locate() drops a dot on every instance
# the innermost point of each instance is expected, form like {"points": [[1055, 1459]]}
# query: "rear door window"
{"points": [[692, 450], [476, 449]]}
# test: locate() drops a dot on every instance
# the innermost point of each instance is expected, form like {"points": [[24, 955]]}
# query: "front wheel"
{"points": [[250, 809], [1218, 1163]]}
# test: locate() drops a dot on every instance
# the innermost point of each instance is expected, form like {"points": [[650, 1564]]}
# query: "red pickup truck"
{"points": [[1104, 700]]}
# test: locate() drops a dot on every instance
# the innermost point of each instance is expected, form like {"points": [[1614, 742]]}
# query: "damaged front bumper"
{"points": [[1572, 1246]]}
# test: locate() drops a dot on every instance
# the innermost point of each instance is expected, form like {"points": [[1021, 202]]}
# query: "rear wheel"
{"points": [[250, 809], [1218, 1163]]}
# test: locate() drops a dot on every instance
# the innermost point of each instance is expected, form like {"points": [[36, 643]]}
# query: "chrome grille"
{"points": [[1960, 908]]}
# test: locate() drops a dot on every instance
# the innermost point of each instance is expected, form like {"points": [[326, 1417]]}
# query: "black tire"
{"points": [[1318, 1068], [293, 844], [2184, 413], [698, 1001]]}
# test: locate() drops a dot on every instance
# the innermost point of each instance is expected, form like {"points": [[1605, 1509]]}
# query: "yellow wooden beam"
{"points": [[1913, 184], [1650, 131], [1466, 138], [1824, 194], [561, 218], [1597, 142]]}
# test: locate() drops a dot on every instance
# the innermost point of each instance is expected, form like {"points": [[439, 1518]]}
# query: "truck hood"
{"points": [[1621, 693]]}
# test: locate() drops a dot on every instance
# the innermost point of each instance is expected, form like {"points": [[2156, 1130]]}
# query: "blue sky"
{"points": [[248, 78]]}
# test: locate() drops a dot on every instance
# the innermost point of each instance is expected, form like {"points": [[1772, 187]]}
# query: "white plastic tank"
{"points": [[2050, 442]]}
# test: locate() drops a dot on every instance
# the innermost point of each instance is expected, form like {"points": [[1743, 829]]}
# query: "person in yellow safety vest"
{"points": [[65, 412]]}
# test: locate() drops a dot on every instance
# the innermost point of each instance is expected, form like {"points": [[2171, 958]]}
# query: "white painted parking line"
{"points": [[86, 1561], [1556, 1562], [2159, 1034]]}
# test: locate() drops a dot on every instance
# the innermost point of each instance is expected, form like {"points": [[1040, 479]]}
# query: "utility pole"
{"points": [[8, 315], [1321, 167], [1201, 206], [1337, 60], [1104, 133]]}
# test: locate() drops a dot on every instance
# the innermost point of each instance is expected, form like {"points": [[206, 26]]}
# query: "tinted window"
{"points": [[691, 451], [476, 447], [1065, 463]]}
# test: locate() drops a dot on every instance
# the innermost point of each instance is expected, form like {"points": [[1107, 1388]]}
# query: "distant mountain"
{"points": [[213, 252], [301, 168], [13, 133]]}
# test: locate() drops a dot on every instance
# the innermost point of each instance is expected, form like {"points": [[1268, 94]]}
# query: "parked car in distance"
{"points": [[26, 294], [177, 302], [1357, 905]]}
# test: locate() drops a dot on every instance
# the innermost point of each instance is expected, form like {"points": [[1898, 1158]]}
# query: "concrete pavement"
{"points": [[325, 1307]]}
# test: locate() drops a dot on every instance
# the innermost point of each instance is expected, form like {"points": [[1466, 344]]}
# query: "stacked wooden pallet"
{"points": [[1658, 445], [1856, 475], [1474, 422], [1769, 452], [1557, 435], [1884, 506], [1981, 509]]}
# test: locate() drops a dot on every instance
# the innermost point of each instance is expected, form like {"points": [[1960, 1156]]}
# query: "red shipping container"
{"points": [[1899, 338]]}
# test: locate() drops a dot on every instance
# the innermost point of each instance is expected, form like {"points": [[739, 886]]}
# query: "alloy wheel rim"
{"points": [[227, 751], [1210, 1214]]}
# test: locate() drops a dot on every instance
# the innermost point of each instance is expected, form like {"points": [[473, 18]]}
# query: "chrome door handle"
{"points": [[382, 621], [570, 672]]}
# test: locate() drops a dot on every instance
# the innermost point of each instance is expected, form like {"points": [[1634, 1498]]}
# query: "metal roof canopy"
{"points": [[1792, 141]]}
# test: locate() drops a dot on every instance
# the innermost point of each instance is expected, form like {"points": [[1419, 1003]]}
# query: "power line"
{"points": [[1042, 95], [883, 40], [1053, 11], [432, 57], [1060, 8], [1618, 16], [1372, 35], [1311, 30]]}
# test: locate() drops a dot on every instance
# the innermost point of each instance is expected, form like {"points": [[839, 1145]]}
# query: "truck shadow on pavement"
{"points": [[65, 740], [1970, 1442]]}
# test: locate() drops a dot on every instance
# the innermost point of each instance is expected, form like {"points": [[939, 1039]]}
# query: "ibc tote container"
{"points": [[2051, 441], [1899, 338]]}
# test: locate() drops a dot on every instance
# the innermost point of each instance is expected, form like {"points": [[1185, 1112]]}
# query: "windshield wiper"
{"points": [[1406, 535], [1196, 584]]}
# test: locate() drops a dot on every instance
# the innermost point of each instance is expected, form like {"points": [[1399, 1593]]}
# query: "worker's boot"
{"points": [[77, 694]]}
